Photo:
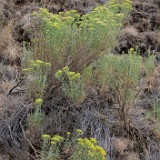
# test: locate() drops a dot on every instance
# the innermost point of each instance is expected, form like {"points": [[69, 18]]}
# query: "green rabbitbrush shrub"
{"points": [[78, 148], [68, 39], [120, 74]]}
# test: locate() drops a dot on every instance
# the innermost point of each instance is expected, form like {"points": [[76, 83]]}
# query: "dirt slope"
{"points": [[139, 141], [142, 29]]}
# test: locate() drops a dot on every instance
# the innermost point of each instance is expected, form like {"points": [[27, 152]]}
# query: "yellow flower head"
{"points": [[53, 143], [68, 19], [76, 76], [131, 50], [65, 69], [68, 133], [27, 69], [93, 140], [101, 151], [55, 26], [58, 74], [38, 101], [80, 141], [79, 131], [70, 74], [45, 136], [39, 61], [57, 139]]}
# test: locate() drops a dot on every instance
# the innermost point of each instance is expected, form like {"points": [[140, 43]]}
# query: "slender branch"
{"points": [[14, 87]]}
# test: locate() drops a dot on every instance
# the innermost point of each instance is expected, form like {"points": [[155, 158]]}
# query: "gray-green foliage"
{"points": [[68, 37], [71, 83], [35, 118], [36, 77], [121, 73]]}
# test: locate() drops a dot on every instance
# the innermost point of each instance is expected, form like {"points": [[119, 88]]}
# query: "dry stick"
{"points": [[35, 152], [87, 61], [73, 62], [14, 87], [27, 138], [9, 127]]}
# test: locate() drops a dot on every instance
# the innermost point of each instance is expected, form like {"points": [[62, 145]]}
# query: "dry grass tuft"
{"points": [[122, 144], [6, 37], [133, 156], [9, 50], [131, 30]]}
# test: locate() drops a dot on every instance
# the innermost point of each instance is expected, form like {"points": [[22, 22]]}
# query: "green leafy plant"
{"points": [[88, 149], [69, 39], [80, 148], [50, 148], [71, 83], [120, 73], [36, 74], [35, 118]]}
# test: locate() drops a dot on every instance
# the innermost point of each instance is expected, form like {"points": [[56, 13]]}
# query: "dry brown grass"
{"points": [[6, 37], [131, 30], [82, 6], [133, 156], [122, 144], [8, 47]]}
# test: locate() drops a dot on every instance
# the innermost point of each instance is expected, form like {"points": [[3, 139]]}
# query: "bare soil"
{"points": [[142, 28]]}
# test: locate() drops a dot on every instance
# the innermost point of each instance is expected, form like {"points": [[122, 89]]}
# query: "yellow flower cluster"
{"points": [[37, 64], [86, 148], [46, 136], [68, 133], [53, 140], [65, 71], [71, 83], [94, 150], [56, 139], [73, 75], [58, 74], [101, 16], [57, 21], [79, 131], [38, 101]]}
